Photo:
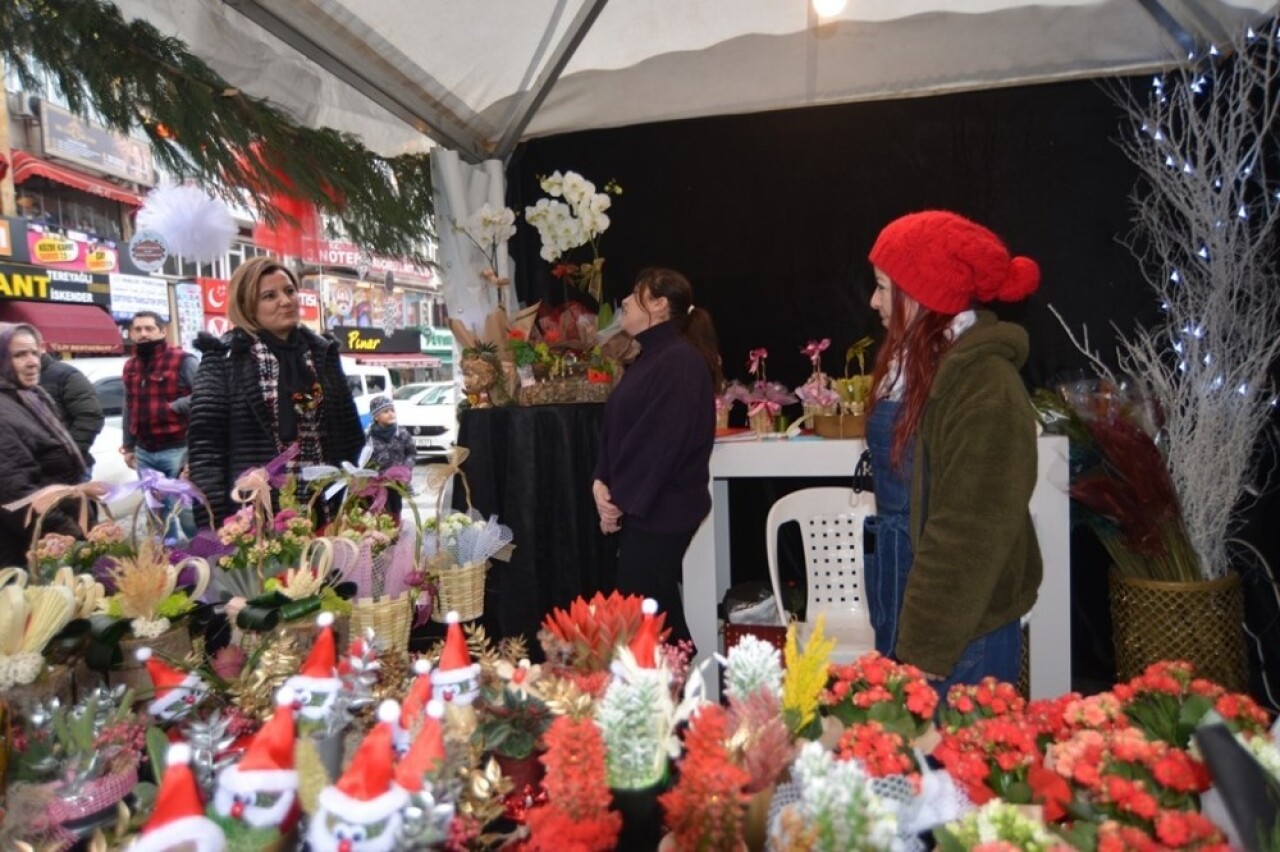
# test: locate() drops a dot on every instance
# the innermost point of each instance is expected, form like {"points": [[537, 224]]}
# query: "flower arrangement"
{"points": [[1120, 478], [759, 740], [883, 753], [488, 229], [838, 809], [583, 637], [55, 550], [147, 593], [992, 758], [580, 219], [705, 809], [461, 539], [99, 735], [512, 722], [29, 619], [637, 720], [363, 525], [258, 548], [753, 665], [805, 678], [875, 688], [1166, 702], [967, 703], [998, 827], [855, 390], [576, 815], [764, 399]]}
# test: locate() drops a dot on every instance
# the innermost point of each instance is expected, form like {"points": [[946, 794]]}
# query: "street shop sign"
{"points": [[54, 285], [376, 340]]}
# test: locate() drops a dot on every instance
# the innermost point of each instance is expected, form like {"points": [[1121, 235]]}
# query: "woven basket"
{"points": [[840, 425], [1199, 622], [559, 391], [174, 644], [459, 588], [389, 618]]}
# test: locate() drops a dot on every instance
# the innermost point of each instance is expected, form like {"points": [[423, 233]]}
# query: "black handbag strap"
{"points": [[862, 480]]}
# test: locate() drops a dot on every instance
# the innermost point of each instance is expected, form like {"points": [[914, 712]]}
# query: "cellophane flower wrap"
{"points": [[463, 539], [874, 688], [838, 809]]}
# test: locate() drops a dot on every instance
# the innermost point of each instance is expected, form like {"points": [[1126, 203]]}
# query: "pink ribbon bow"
{"points": [[763, 405], [755, 360], [815, 349], [376, 486]]}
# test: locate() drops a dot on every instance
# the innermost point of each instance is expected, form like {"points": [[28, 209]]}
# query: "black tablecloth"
{"points": [[532, 467]]}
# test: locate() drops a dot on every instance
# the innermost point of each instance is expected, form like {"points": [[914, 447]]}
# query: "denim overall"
{"points": [[887, 567]]}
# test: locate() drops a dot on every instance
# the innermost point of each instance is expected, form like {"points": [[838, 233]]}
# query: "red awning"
{"points": [[84, 329], [398, 360], [29, 165]]}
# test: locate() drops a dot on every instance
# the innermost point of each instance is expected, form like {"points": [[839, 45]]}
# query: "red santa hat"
{"points": [[455, 669], [267, 763], [427, 752], [947, 262], [178, 816], [365, 792], [173, 686], [320, 669], [644, 645], [415, 701]]}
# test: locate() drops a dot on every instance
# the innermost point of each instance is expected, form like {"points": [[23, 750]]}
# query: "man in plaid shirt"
{"points": [[157, 400]]}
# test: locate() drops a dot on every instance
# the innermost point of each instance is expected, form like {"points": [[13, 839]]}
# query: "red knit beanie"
{"points": [[946, 262]]}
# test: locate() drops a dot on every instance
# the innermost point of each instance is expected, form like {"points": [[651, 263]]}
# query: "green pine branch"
{"points": [[204, 129]]}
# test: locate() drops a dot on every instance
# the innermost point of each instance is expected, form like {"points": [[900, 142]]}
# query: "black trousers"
{"points": [[652, 564]]}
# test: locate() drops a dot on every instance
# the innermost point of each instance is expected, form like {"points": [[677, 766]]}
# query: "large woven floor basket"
{"points": [[1200, 622], [390, 619], [459, 588]]}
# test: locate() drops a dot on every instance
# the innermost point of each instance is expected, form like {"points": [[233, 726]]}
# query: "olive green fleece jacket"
{"points": [[977, 562]]}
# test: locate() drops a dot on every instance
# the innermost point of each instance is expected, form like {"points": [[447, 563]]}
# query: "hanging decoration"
{"points": [[129, 75], [195, 225]]}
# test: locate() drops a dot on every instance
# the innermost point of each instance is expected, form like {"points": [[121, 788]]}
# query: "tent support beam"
{"points": [[426, 114], [1186, 22], [533, 97]]}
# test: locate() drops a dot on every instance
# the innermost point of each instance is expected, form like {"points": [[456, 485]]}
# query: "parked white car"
{"points": [[105, 374], [431, 416], [366, 382]]}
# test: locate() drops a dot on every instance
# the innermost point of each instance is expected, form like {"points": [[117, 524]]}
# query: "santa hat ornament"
{"points": [[427, 753], [415, 702], [362, 811], [261, 789], [455, 677], [317, 683], [644, 645], [947, 262], [176, 690], [178, 820]]}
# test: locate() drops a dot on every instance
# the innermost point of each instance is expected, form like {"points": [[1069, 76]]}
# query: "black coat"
{"points": [[77, 404], [33, 458], [230, 430]]}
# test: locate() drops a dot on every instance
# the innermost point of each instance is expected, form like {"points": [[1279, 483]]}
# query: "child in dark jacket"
{"points": [[389, 445]]}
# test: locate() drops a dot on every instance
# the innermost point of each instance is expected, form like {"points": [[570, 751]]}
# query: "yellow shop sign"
{"points": [[100, 260], [357, 342], [16, 285], [54, 249]]}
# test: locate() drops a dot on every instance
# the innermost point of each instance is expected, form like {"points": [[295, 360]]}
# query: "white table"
{"points": [[706, 564]]}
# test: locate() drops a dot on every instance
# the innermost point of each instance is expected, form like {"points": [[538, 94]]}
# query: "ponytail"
{"points": [[698, 329]]}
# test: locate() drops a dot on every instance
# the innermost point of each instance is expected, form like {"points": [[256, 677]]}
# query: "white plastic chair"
{"points": [[831, 521]]}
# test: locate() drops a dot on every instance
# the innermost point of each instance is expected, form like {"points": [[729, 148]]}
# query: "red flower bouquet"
{"points": [[967, 703], [706, 807], [1167, 701], [576, 817], [991, 758], [1174, 830], [881, 752], [874, 688]]}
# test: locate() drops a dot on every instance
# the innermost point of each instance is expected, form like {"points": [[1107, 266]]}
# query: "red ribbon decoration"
{"points": [[815, 349], [755, 360]]}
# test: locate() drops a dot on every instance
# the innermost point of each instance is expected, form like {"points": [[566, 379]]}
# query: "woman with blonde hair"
{"points": [[267, 385]]}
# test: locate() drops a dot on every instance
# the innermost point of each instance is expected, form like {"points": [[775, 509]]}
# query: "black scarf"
{"points": [[37, 401], [383, 433], [295, 376]]}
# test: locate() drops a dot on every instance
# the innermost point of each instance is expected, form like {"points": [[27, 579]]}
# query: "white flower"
{"points": [[752, 665], [576, 221], [553, 185], [147, 628]]}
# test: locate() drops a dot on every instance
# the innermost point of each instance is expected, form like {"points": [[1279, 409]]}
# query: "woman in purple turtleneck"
{"points": [[651, 481]]}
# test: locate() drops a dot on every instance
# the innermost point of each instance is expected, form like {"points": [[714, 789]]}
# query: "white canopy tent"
{"points": [[481, 75]]}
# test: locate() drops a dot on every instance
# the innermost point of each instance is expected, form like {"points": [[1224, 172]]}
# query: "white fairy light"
{"points": [[1203, 253], [1177, 346], [1187, 169], [1170, 161], [1243, 390], [1216, 383], [1175, 277], [1242, 213], [1208, 358]]}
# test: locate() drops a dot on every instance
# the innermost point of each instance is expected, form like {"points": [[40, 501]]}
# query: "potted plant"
{"points": [[511, 726], [1206, 223]]}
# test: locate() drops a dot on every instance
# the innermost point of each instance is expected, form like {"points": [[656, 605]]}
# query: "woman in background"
{"points": [[651, 479], [37, 449], [266, 385], [953, 449]]}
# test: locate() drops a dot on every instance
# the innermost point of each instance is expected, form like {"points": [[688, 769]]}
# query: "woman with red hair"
{"points": [[952, 437]]}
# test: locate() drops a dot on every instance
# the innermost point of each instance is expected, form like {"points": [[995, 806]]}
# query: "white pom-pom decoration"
{"points": [[389, 711], [421, 666], [142, 654], [285, 696], [452, 617], [649, 607], [324, 619], [435, 708], [178, 753], [197, 227]]}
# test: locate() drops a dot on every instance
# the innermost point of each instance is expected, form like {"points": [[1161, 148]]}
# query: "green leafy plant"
{"points": [[512, 725]]}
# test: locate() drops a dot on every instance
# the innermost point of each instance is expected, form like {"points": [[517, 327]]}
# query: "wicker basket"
{"points": [[174, 644], [389, 618], [1199, 622], [559, 391], [840, 425], [459, 588]]}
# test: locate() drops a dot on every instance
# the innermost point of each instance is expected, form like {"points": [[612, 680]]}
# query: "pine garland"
{"points": [[204, 129]]}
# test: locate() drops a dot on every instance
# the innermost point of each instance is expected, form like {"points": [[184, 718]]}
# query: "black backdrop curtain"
{"points": [[771, 216]]}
